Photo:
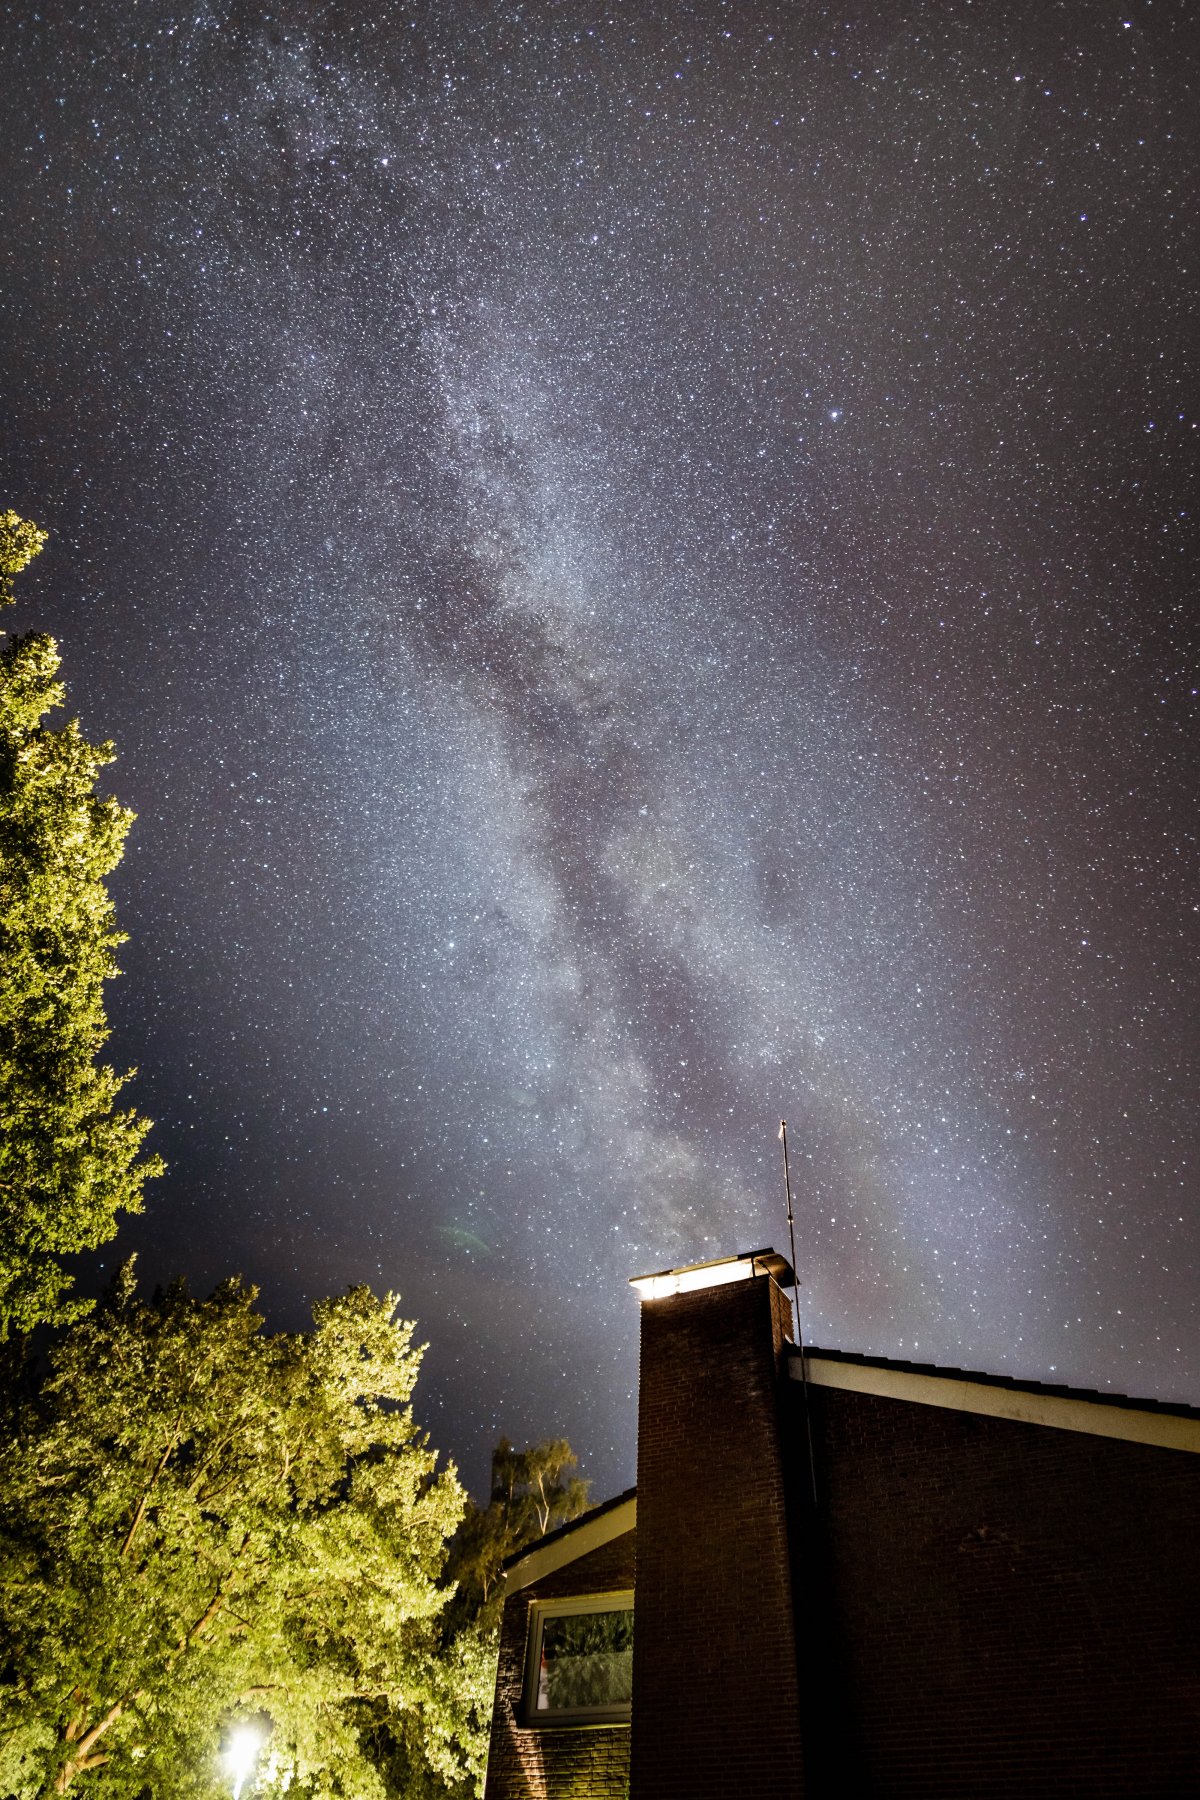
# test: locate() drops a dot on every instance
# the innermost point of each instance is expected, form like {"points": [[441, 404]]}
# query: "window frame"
{"points": [[569, 1606]]}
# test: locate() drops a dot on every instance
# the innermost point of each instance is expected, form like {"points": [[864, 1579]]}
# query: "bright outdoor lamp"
{"points": [[244, 1745]]}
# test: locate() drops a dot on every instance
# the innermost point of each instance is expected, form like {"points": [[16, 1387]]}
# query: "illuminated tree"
{"points": [[533, 1492], [69, 1160], [20, 542], [205, 1527]]}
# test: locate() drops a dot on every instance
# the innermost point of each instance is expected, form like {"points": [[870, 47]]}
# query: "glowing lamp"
{"points": [[241, 1753]]}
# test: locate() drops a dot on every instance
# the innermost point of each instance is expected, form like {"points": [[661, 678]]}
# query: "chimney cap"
{"points": [[714, 1274]]}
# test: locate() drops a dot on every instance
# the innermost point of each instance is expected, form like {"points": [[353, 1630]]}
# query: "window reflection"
{"points": [[585, 1661]]}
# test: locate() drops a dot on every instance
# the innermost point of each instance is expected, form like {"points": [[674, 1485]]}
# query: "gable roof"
{"points": [[591, 1531]]}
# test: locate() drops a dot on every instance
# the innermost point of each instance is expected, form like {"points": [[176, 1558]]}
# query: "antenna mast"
{"points": [[787, 1183]]}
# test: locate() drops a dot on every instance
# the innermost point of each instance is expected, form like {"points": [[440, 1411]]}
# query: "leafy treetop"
{"points": [[201, 1523], [20, 541], [69, 1160], [533, 1492]]}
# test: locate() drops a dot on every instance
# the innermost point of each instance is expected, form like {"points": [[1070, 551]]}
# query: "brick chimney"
{"points": [[716, 1704]]}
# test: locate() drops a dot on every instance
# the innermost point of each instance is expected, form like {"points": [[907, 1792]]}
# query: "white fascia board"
{"points": [[1167, 1431], [589, 1534]]}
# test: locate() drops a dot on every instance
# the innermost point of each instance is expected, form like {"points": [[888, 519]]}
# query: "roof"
{"points": [[1166, 1424], [1178, 1408], [590, 1531]]}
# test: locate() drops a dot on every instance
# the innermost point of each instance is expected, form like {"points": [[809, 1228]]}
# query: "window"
{"points": [[579, 1663]]}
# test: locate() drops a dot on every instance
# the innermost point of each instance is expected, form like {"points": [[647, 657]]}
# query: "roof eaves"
{"points": [[579, 1537], [1165, 1424]]}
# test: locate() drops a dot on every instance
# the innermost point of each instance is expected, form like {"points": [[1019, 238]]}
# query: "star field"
{"points": [[641, 565]]}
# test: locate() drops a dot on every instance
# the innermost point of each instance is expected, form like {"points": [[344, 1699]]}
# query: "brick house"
{"points": [[857, 1576]]}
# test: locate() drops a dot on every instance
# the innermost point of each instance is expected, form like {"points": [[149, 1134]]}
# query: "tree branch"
{"points": [[140, 1510], [212, 1609], [82, 1757]]}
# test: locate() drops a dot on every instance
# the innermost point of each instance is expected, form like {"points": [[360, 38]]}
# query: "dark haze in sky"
{"points": [[642, 568]]}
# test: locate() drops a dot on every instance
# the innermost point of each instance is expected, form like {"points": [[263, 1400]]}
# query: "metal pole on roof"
{"points": [[787, 1183], [787, 1186]]}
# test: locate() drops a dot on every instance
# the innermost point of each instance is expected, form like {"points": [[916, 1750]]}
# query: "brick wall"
{"points": [[714, 1670], [1010, 1609], [554, 1762]]}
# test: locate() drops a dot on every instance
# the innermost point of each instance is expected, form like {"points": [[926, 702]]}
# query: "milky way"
{"points": [[641, 568]]}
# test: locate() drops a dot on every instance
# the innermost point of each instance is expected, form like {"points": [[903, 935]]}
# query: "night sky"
{"points": [[642, 568]]}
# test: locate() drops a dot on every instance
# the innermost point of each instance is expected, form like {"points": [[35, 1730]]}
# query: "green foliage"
{"points": [[69, 1161], [20, 541], [200, 1521], [532, 1493]]}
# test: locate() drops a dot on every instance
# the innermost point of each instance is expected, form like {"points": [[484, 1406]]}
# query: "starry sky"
{"points": [[642, 568]]}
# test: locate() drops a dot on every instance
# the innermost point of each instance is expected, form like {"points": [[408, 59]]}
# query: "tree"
{"points": [[69, 1161], [200, 1524], [532, 1493], [20, 542]]}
